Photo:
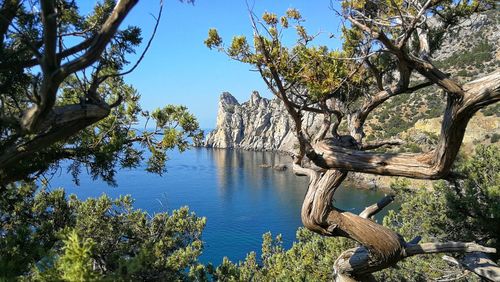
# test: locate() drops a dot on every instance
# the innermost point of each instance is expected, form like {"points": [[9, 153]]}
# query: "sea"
{"points": [[241, 198]]}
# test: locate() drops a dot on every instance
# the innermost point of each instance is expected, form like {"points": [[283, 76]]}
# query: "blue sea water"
{"points": [[240, 199]]}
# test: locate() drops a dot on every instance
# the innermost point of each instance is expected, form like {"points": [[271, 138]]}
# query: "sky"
{"points": [[180, 69]]}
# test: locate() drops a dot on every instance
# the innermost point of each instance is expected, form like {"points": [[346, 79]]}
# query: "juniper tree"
{"points": [[62, 95], [63, 98], [387, 51]]}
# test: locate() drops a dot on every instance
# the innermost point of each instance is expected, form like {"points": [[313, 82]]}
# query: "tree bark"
{"points": [[63, 122], [432, 165], [380, 246], [319, 215], [53, 73]]}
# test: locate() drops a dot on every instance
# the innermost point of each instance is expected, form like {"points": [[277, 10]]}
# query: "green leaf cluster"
{"points": [[48, 237], [315, 72], [105, 145], [309, 259]]}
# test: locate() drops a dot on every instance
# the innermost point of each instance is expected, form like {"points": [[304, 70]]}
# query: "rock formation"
{"points": [[260, 124]]}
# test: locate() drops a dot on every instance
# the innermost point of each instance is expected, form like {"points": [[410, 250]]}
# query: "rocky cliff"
{"points": [[259, 124]]}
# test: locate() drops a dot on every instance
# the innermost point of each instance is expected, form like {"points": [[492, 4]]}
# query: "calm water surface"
{"points": [[240, 199]]}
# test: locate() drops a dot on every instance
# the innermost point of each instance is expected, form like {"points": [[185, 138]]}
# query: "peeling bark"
{"points": [[319, 215], [372, 210], [62, 123]]}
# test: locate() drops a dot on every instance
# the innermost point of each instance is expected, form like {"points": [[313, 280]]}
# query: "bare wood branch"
{"points": [[357, 119], [100, 41], [376, 73], [382, 96], [49, 20], [423, 67], [378, 35], [448, 247], [451, 260], [143, 54], [413, 25], [61, 55], [325, 127], [435, 75], [482, 265], [372, 210], [336, 124], [53, 76], [280, 92], [432, 165], [377, 144], [357, 262], [415, 240], [61, 123], [302, 171]]}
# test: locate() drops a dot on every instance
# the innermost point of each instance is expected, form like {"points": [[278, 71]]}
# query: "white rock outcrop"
{"points": [[259, 124]]}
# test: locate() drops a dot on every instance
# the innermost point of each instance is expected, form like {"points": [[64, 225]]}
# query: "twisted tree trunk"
{"points": [[332, 158], [319, 215], [380, 246]]}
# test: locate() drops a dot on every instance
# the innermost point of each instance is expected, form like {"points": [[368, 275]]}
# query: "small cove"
{"points": [[240, 199]]}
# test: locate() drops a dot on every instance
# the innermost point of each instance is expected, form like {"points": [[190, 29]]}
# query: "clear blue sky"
{"points": [[180, 69]]}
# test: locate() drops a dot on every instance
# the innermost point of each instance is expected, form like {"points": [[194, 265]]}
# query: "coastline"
{"points": [[354, 179]]}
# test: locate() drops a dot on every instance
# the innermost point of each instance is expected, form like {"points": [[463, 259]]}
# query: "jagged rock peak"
{"points": [[255, 98], [228, 99], [257, 124]]}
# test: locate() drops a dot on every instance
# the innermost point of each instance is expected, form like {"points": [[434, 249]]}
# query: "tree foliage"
{"points": [[437, 214], [63, 100], [71, 103], [50, 237], [309, 259]]}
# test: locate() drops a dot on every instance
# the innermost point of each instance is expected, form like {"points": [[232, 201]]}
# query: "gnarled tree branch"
{"points": [[372, 210], [431, 165], [53, 74]]}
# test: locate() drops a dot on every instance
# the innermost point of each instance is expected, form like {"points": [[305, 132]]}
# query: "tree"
{"points": [[434, 214], [387, 51], [71, 103], [62, 98]]}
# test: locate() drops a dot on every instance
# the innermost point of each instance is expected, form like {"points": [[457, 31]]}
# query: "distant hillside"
{"points": [[466, 55]]}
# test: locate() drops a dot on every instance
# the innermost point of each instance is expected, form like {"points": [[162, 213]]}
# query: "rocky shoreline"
{"points": [[259, 124]]}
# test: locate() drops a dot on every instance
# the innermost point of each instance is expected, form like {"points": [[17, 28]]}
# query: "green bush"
{"points": [[492, 110], [47, 237], [446, 213], [495, 137], [309, 259]]}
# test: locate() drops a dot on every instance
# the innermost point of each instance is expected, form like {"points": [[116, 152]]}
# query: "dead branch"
{"points": [[372, 210]]}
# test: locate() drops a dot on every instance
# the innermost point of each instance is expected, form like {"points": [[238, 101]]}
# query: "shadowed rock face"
{"points": [[259, 124]]}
